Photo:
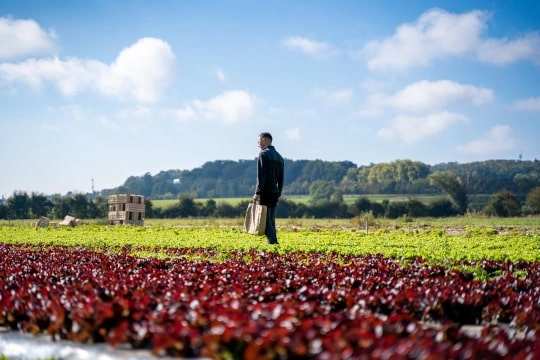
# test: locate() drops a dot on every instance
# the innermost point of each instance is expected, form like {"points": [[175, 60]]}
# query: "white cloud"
{"points": [[424, 96], [293, 134], [23, 38], [338, 97], [434, 95], [229, 107], [497, 140], [411, 129], [140, 72], [438, 34], [504, 51], [530, 104], [308, 46], [69, 76]]}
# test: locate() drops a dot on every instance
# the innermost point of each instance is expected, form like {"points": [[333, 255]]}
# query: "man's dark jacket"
{"points": [[269, 176]]}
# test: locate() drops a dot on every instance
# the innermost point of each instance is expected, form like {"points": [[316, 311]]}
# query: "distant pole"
{"points": [[367, 226], [93, 191]]}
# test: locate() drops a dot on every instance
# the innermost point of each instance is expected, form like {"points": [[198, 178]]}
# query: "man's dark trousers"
{"points": [[270, 230]]}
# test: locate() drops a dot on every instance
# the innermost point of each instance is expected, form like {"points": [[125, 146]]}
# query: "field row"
{"points": [[325, 292], [258, 304], [437, 245]]}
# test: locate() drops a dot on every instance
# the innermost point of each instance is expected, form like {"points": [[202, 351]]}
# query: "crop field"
{"points": [[327, 291]]}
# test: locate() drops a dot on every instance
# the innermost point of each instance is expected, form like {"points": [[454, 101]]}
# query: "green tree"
{"points": [[378, 209], [337, 195], [310, 171], [488, 177], [504, 204], [382, 178], [78, 206], [408, 172], [533, 200], [442, 208], [226, 210], [350, 181], [172, 211], [363, 185], [397, 209], [148, 208], [452, 185], [291, 209], [210, 207], [328, 209], [4, 214], [97, 208], [39, 204], [363, 205], [320, 191], [19, 205], [61, 206], [416, 208], [187, 206]]}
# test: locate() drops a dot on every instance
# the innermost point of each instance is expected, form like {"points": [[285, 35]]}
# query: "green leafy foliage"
{"points": [[224, 178], [452, 185], [533, 201], [435, 244], [503, 204]]}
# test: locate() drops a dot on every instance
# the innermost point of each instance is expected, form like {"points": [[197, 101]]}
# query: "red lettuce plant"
{"points": [[270, 305]]}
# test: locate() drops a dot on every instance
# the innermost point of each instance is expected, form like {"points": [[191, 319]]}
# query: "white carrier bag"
{"points": [[255, 222]]}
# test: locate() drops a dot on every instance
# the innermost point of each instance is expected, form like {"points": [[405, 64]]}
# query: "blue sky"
{"points": [[107, 89]]}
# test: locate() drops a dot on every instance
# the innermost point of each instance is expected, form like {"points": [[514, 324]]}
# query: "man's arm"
{"points": [[281, 177], [261, 175]]}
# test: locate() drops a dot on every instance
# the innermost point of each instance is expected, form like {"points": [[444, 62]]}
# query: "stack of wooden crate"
{"points": [[126, 209]]}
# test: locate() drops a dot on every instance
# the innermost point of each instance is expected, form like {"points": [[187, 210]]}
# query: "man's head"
{"points": [[265, 139]]}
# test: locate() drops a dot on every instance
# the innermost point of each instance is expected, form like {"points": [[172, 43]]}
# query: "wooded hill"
{"points": [[227, 178]]}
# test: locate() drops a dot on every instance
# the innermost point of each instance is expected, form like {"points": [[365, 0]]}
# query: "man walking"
{"points": [[269, 182]]}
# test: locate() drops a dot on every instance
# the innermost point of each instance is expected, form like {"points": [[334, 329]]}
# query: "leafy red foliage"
{"points": [[268, 305]]}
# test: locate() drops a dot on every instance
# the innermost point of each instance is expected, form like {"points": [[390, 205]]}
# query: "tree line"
{"points": [[22, 205], [513, 186], [226, 178], [322, 204]]}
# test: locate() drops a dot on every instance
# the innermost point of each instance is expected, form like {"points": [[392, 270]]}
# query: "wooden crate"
{"points": [[126, 209], [42, 222]]}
